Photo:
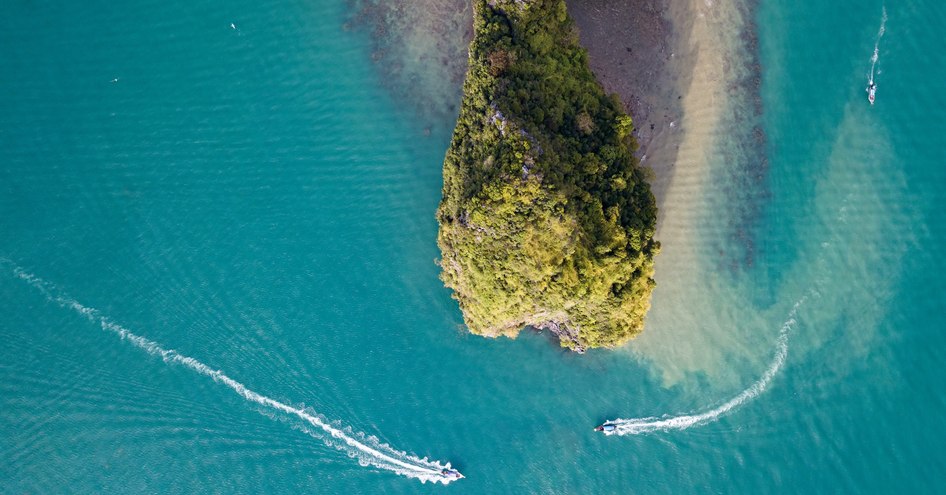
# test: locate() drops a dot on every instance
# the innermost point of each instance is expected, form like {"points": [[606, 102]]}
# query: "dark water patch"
{"points": [[420, 51], [742, 175]]}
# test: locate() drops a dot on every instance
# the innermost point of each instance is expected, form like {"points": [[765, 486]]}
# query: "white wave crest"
{"points": [[367, 450], [637, 426]]}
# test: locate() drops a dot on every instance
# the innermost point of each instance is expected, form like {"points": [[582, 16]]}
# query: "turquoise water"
{"points": [[253, 198]]}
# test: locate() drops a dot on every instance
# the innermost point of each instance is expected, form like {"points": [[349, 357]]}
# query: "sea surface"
{"points": [[217, 246]]}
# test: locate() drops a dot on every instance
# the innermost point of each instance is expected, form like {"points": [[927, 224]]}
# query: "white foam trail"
{"points": [[637, 426], [876, 55], [369, 451]]}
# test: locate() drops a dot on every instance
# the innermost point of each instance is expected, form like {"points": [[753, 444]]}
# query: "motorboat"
{"points": [[606, 427], [451, 474], [871, 91]]}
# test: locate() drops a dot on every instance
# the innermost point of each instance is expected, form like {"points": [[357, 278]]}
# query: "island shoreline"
{"points": [[687, 72], [659, 56]]}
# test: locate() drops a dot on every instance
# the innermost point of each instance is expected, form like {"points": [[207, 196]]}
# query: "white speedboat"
{"points": [[606, 427], [451, 474]]}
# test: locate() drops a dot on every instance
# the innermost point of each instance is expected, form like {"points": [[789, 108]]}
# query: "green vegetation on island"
{"points": [[547, 219]]}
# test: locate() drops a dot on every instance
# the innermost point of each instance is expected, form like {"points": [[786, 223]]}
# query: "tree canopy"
{"points": [[547, 219]]}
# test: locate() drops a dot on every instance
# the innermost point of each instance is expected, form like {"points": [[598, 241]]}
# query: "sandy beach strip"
{"points": [[685, 70], [675, 64]]}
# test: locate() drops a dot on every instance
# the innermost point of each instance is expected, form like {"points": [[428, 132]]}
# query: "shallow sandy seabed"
{"points": [[706, 154]]}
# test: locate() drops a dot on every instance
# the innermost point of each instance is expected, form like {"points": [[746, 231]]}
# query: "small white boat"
{"points": [[451, 474], [607, 427], [871, 92]]}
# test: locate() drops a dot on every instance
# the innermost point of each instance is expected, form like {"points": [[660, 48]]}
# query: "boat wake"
{"points": [[368, 450], [876, 55], [637, 426]]}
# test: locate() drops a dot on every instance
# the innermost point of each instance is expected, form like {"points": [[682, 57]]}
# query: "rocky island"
{"points": [[547, 220]]}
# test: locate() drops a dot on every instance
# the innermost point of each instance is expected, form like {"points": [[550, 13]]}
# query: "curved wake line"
{"points": [[880, 34], [637, 426], [380, 455]]}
